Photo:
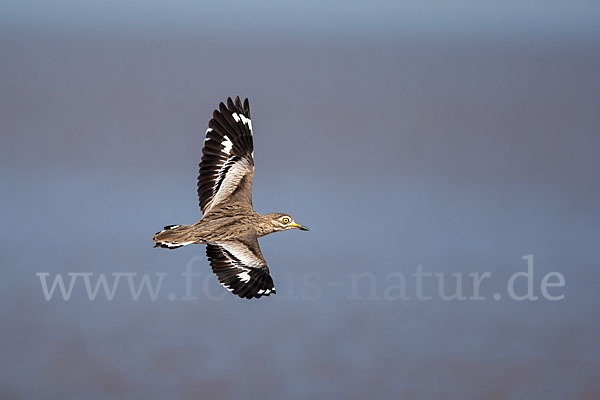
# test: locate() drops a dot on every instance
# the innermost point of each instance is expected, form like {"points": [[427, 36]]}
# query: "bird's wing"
{"points": [[227, 165], [240, 267]]}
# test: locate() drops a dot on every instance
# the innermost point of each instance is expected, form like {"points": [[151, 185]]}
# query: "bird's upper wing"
{"points": [[227, 165], [240, 267]]}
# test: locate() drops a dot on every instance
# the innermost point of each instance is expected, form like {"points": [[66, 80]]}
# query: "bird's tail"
{"points": [[173, 237]]}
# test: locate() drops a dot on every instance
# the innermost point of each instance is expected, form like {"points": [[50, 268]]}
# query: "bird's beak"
{"points": [[301, 227]]}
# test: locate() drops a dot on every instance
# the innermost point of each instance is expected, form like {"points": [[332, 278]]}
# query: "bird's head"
{"points": [[282, 222]]}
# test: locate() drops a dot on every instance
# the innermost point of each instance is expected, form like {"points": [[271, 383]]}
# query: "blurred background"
{"points": [[459, 136]]}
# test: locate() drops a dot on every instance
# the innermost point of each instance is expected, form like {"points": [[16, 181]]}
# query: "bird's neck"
{"points": [[264, 226]]}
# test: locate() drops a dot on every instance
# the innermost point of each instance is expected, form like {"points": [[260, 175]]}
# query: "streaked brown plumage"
{"points": [[230, 227]]}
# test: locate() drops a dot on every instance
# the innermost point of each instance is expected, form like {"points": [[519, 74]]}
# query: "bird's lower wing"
{"points": [[241, 268], [227, 166]]}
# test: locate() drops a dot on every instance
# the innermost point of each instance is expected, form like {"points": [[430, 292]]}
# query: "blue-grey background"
{"points": [[460, 136]]}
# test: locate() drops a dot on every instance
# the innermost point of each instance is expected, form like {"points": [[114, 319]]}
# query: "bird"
{"points": [[229, 226]]}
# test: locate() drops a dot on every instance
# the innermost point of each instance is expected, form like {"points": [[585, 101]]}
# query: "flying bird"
{"points": [[230, 227]]}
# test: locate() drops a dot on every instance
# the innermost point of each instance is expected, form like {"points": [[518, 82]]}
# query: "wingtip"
{"points": [[222, 107], [238, 104], [235, 105], [230, 104]]}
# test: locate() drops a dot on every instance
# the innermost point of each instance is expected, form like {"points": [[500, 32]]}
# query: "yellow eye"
{"points": [[285, 220]]}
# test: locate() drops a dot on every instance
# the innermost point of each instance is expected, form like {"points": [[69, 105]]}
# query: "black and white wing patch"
{"points": [[240, 267], [227, 166]]}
